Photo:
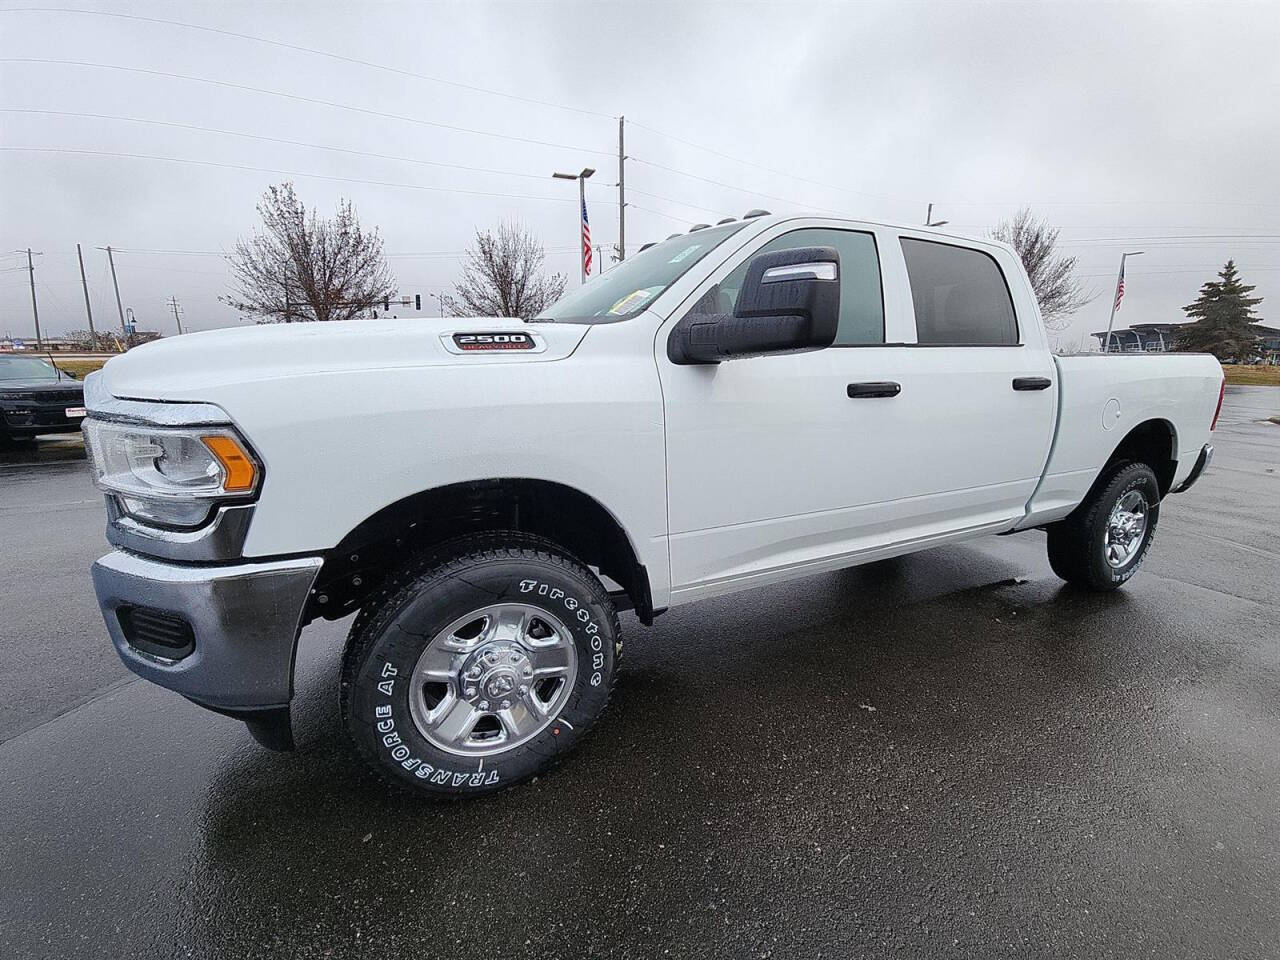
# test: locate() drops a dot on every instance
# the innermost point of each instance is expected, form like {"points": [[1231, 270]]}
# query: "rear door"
{"points": [[984, 376]]}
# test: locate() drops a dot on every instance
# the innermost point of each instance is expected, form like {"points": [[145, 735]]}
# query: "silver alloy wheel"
{"points": [[1126, 529], [492, 679]]}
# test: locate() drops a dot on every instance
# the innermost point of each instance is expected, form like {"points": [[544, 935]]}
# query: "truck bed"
{"points": [[1102, 397]]}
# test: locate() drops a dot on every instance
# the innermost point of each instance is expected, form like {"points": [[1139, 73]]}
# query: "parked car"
{"points": [[36, 397], [746, 404]]}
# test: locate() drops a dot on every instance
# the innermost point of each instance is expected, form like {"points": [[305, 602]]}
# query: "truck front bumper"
{"points": [[222, 636]]}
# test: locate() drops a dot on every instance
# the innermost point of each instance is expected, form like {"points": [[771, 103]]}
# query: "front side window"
{"points": [[960, 296], [861, 297], [631, 286]]}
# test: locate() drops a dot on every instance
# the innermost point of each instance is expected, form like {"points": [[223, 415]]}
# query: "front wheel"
{"points": [[1101, 543], [480, 665]]}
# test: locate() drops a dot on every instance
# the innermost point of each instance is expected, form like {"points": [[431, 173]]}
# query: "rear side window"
{"points": [[861, 298], [960, 296]]}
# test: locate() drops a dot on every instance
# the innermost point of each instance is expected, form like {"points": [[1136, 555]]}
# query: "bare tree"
{"points": [[301, 266], [502, 277], [92, 342], [1052, 275]]}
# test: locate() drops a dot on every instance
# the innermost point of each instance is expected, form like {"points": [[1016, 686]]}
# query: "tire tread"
{"points": [[1070, 539], [437, 563]]}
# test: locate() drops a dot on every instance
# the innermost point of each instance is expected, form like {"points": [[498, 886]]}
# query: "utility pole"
{"points": [[35, 310], [111, 260], [622, 193], [88, 309], [439, 300], [173, 302]]}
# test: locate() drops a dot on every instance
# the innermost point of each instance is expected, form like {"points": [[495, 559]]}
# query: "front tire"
{"points": [[480, 665], [1101, 543]]}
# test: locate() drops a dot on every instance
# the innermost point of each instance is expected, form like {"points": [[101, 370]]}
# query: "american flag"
{"points": [[586, 240], [1120, 286]]}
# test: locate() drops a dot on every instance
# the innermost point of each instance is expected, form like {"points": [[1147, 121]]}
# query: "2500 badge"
{"points": [[493, 341]]}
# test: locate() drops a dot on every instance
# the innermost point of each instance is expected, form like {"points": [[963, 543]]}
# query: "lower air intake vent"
{"points": [[156, 633]]}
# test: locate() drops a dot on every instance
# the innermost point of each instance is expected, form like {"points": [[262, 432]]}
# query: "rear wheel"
{"points": [[1103, 541], [480, 665]]}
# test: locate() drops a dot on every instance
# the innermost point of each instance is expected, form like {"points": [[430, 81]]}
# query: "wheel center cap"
{"points": [[499, 683], [492, 674]]}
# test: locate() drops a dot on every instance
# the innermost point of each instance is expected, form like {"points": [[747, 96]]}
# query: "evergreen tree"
{"points": [[1222, 318]]}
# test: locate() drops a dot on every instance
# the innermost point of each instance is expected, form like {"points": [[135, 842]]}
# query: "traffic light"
{"points": [[417, 301]]}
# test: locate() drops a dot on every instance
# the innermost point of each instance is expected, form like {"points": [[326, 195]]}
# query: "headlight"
{"points": [[170, 475]]}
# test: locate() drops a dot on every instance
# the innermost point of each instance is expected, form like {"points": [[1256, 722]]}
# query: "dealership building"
{"points": [[1160, 337]]}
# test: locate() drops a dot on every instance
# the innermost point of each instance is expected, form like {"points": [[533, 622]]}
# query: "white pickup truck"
{"points": [[743, 404]]}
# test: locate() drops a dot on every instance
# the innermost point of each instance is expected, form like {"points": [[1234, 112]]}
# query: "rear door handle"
{"points": [[877, 388], [1032, 383]]}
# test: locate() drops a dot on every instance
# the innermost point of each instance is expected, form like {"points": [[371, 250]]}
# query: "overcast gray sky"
{"points": [[1116, 120]]}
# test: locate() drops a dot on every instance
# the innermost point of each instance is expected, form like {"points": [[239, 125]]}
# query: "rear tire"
{"points": [[1101, 544], [479, 665]]}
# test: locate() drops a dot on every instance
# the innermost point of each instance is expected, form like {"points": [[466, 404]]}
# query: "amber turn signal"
{"points": [[241, 473]]}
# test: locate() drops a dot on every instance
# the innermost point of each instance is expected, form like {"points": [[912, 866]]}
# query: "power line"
{"points": [[315, 101], [730, 186], [636, 206], [280, 140], [679, 203], [337, 149], [980, 203], [316, 176], [774, 171], [547, 103], [286, 173], [314, 52]]}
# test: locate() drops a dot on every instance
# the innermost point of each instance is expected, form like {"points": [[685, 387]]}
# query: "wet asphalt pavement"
{"points": [[950, 754]]}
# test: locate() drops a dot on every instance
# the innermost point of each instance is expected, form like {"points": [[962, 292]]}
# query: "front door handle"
{"points": [[878, 388], [1032, 383]]}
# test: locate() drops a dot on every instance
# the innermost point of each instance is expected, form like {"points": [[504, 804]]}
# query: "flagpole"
{"points": [[1115, 297], [582, 214]]}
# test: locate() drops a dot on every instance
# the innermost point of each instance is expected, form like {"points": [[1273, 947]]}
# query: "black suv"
{"points": [[36, 397]]}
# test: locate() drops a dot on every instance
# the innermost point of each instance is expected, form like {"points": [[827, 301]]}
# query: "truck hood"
{"points": [[182, 368]]}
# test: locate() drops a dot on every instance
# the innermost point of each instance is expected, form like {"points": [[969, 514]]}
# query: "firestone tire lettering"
{"points": [[389, 636]]}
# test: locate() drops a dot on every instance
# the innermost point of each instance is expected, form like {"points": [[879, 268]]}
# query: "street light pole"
{"points": [[1115, 300], [582, 206]]}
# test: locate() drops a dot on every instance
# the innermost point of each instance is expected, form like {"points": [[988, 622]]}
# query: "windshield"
{"points": [[27, 368], [632, 285]]}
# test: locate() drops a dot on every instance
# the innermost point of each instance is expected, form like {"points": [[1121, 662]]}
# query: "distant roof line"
{"points": [[1173, 325]]}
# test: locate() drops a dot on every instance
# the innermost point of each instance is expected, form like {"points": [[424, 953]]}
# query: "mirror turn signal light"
{"points": [[239, 470]]}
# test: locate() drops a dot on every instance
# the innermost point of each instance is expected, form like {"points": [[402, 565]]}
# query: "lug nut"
{"points": [[523, 689], [528, 671], [506, 704], [471, 691], [484, 704]]}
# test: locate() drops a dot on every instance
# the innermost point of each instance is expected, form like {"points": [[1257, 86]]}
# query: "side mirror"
{"points": [[789, 302]]}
